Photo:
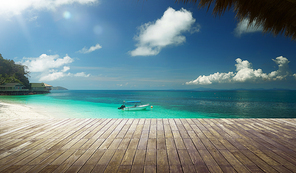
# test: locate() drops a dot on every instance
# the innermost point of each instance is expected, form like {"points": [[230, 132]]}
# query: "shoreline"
{"points": [[19, 111]]}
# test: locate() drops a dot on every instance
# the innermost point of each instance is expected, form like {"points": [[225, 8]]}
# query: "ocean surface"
{"points": [[166, 104]]}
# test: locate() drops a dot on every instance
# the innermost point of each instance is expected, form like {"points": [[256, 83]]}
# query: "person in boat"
{"points": [[122, 107]]}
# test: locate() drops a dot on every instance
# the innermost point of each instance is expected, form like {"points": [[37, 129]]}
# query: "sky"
{"points": [[142, 45]]}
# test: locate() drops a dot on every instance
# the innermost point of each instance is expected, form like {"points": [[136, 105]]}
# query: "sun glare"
{"points": [[67, 15]]}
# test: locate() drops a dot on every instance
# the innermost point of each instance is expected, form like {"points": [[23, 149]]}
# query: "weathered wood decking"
{"points": [[148, 145]]}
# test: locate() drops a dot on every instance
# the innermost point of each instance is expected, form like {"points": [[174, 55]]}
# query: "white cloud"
{"points": [[15, 7], [213, 78], [53, 76], [66, 68], [244, 27], [81, 74], [50, 67], [245, 73], [165, 31], [46, 62], [91, 49]]}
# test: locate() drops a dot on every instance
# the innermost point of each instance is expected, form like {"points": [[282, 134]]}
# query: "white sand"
{"points": [[8, 110]]}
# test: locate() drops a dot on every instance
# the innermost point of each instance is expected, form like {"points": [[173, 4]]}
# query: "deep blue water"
{"points": [[166, 104]]}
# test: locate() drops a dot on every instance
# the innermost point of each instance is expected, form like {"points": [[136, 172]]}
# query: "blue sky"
{"points": [[99, 44]]}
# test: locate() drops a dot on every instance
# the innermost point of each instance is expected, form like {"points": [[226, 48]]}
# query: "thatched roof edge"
{"points": [[276, 16]]}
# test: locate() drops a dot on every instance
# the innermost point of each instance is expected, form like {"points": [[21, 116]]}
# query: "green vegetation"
{"points": [[13, 73]]}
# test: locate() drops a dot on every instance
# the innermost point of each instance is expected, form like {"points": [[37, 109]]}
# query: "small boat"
{"points": [[137, 106]]}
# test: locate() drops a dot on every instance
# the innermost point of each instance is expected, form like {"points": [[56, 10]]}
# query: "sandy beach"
{"points": [[8, 110]]}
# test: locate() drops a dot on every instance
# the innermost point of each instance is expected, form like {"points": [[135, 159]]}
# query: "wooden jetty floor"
{"points": [[147, 145]]}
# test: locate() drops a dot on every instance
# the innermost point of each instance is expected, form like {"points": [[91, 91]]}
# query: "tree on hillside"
{"points": [[13, 73]]}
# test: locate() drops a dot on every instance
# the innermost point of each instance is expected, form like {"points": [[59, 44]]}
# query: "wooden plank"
{"points": [[24, 168], [189, 144], [150, 168], [86, 168], [63, 157], [12, 168], [128, 157], [96, 145], [124, 144], [99, 169], [162, 157], [143, 144], [138, 145], [221, 161], [172, 124], [123, 131], [167, 131], [150, 157], [106, 144], [9, 162], [159, 125], [271, 161], [236, 164], [47, 161], [67, 165], [152, 131], [210, 161], [41, 157], [133, 145], [184, 157], [115, 143], [151, 145], [246, 161], [196, 159], [124, 169], [261, 164], [95, 157], [137, 168], [84, 157], [49, 168], [106, 157], [138, 131], [114, 163], [170, 144], [175, 168], [173, 157], [184, 134], [140, 157], [162, 168], [188, 168], [160, 145], [179, 143]]}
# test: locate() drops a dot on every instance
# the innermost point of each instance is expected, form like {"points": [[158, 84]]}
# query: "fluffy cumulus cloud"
{"points": [[46, 62], [167, 30], [50, 67], [243, 27], [14, 7], [245, 73], [91, 49]]}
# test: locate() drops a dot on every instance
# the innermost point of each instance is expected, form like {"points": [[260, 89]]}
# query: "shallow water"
{"points": [[166, 104]]}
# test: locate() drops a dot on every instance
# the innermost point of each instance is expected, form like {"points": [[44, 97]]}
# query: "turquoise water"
{"points": [[166, 104]]}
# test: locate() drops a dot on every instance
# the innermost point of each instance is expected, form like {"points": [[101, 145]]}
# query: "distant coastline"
{"points": [[58, 88]]}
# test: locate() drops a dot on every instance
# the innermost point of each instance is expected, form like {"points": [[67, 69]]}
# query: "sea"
{"points": [[163, 104]]}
